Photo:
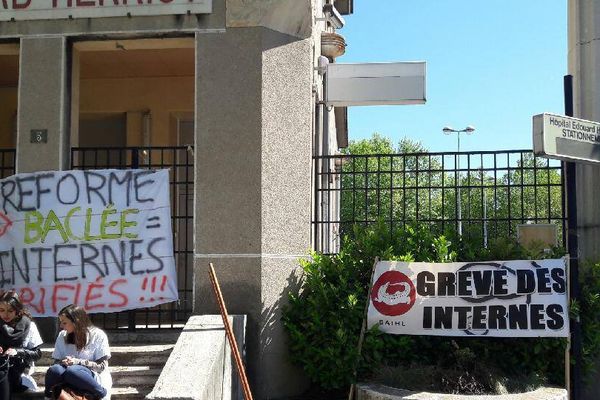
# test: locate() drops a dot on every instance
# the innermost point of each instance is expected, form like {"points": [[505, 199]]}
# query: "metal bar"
{"points": [[131, 317], [509, 207], [391, 194], [573, 248], [315, 238], [429, 189], [404, 189], [378, 188], [229, 332], [366, 189], [522, 190], [469, 194], [443, 191], [535, 197]]}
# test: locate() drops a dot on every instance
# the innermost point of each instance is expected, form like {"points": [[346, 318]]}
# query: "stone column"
{"points": [[253, 187], [43, 105], [584, 65]]}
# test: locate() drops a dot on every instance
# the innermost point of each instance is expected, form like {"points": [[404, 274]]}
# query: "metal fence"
{"points": [[180, 162], [483, 195]]}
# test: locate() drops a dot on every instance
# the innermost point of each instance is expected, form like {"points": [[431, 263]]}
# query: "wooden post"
{"points": [[362, 332]]}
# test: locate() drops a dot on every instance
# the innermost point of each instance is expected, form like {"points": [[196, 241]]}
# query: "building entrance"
{"points": [[133, 103], [9, 82]]}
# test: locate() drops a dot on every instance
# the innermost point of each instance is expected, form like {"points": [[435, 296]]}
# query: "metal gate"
{"points": [[180, 163]]}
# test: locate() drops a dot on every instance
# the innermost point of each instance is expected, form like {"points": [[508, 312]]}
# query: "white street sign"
{"points": [[566, 138]]}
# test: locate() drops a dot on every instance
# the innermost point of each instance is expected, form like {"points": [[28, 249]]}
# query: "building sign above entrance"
{"points": [[566, 138], [23, 10]]}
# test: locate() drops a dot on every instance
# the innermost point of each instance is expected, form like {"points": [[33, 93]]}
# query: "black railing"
{"points": [[180, 162], [483, 195]]}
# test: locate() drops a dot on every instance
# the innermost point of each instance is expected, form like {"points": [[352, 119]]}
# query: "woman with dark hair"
{"points": [[20, 343], [81, 354]]}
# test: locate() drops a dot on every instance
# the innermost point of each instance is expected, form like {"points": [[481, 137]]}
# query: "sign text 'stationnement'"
{"points": [[566, 138]]}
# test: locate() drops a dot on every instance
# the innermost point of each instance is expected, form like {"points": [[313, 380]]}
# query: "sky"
{"points": [[492, 64]]}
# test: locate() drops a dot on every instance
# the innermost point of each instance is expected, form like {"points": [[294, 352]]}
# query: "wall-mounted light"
{"points": [[322, 63]]}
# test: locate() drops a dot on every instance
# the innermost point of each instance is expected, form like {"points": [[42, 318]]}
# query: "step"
{"points": [[136, 355], [156, 336], [117, 393], [134, 368], [121, 375]]}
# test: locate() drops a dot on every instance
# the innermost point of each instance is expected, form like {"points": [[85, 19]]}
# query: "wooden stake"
{"points": [[229, 333], [362, 332]]}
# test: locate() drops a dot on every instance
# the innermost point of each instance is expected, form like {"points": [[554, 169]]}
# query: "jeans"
{"points": [[77, 377]]}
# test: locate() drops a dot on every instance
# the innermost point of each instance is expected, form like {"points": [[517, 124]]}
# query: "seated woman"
{"points": [[20, 343], [81, 354]]}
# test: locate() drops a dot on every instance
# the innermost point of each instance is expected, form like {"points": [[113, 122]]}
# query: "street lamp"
{"points": [[448, 131]]}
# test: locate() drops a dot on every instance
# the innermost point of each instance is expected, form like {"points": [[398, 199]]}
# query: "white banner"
{"points": [[504, 298], [100, 239], [24, 10]]}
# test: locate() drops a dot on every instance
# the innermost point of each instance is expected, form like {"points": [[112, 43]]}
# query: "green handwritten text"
{"points": [[113, 225]]}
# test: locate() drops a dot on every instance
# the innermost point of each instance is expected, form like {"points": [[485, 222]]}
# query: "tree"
{"points": [[407, 184], [381, 181]]}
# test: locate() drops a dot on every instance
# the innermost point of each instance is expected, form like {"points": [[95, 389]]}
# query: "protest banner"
{"points": [[99, 239], [502, 299]]}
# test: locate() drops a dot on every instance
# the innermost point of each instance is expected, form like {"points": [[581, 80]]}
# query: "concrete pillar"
{"points": [[43, 105], [253, 187], [584, 65]]}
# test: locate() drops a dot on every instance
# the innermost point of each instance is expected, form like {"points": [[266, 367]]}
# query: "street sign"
{"points": [[566, 138]]}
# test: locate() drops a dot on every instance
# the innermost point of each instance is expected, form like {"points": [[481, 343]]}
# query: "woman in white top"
{"points": [[81, 354], [20, 343]]}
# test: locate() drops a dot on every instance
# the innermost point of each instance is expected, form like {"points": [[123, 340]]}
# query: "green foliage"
{"points": [[378, 144], [324, 319], [589, 312], [411, 185]]}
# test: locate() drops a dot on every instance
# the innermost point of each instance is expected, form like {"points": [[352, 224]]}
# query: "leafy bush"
{"points": [[324, 319], [589, 313]]}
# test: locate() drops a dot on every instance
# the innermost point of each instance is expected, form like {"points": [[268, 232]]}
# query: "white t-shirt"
{"points": [[96, 348], [32, 340]]}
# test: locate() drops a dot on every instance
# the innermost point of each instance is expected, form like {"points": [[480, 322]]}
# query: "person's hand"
{"points": [[68, 361], [10, 352], [1, 350]]}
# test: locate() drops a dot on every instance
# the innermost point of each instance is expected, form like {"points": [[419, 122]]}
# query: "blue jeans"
{"points": [[77, 377]]}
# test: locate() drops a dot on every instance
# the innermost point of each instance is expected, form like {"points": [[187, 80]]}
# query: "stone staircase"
{"points": [[136, 362]]}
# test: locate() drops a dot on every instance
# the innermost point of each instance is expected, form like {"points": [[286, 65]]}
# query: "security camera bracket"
{"points": [[333, 16]]}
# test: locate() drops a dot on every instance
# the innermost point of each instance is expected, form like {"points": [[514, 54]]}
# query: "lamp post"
{"points": [[448, 131]]}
